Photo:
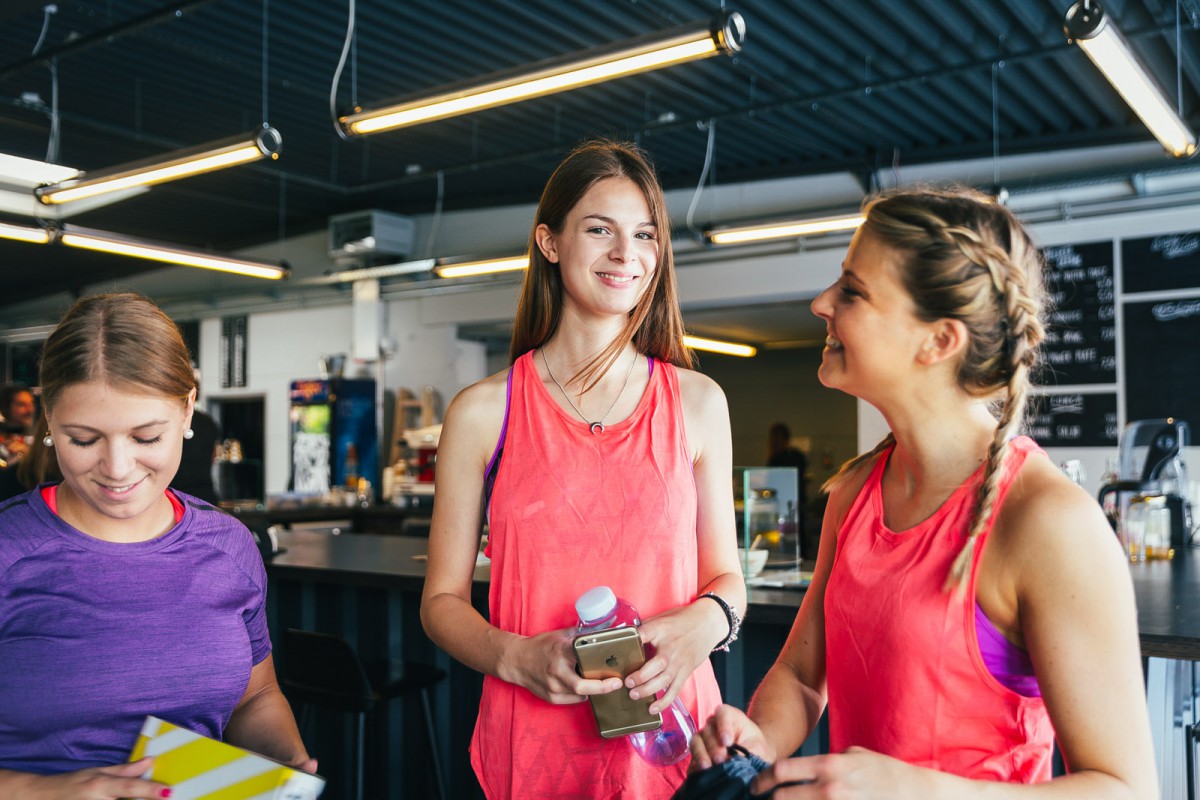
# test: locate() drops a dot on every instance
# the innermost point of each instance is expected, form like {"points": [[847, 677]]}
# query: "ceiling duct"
{"points": [[368, 238]]}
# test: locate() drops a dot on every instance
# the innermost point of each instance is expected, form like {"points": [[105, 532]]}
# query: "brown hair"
{"points": [[39, 464], [122, 339], [968, 258], [655, 324]]}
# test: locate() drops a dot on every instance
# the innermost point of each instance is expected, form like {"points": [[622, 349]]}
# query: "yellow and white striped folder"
{"points": [[199, 768]]}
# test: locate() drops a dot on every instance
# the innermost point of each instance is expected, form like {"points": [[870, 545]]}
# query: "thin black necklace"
{"points": [[596, 427]]}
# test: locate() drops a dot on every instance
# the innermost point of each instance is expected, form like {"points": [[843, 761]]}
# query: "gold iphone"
{"points": [[614, 653]]}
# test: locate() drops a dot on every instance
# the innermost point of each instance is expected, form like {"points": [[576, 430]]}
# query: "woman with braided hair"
{"points": [[970, 604]]}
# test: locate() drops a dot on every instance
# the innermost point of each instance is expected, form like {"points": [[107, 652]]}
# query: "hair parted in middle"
{"points": [[966, 257], [123, 339], [655, 324]]}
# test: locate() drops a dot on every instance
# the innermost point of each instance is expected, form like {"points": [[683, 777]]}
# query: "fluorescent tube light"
{"points": [[372, 273], [717, 346], [465, 269], [27, 172], [21, 233], [783, 230], [264, 143], [139, 248], [1089, 27], [698, 40]]}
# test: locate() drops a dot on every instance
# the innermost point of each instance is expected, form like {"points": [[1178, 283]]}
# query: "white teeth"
{"points": [[617, 278], [120, 489], [832, 343]]}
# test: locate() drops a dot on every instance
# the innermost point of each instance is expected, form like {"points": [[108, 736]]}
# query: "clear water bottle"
{"points": [[599, 609]]}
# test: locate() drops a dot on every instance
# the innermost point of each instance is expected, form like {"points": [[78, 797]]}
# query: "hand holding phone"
{"points": [[615, 653]]}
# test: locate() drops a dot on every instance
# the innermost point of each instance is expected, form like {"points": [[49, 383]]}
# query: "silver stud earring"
{"points": [[189, 433], [48, 441]]}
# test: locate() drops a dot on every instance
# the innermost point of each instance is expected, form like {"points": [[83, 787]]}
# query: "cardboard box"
{"points": [[197, 767]]}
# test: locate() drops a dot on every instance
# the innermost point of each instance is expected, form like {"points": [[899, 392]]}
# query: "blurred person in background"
{"points": [[18, 408]]}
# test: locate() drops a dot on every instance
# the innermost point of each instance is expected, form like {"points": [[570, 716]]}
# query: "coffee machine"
{"points": [[1150, 462]]}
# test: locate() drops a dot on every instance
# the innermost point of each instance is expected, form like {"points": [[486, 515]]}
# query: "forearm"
{"points": [[264, 724], [1085, 785], [454, 625], [712, 619], [785, 709], [18, 785]]}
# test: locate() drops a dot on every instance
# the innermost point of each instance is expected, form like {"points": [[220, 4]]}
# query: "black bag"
{"points": [[729, 780]]}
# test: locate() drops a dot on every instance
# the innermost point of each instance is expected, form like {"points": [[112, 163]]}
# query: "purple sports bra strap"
{"points": [[489, 475]]}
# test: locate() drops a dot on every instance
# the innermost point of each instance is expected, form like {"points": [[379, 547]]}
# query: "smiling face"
{"points": [[874, 336], [118, 451], [607, 250]]}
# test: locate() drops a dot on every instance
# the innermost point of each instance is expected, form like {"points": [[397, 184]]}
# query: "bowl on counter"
{"points": [[752, 561]]}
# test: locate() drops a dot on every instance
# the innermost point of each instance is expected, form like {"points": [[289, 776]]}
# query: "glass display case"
{"points": [[766, 507]]}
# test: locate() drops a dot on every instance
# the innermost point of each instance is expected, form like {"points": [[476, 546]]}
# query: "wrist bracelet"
{"points": [[735, 622]]}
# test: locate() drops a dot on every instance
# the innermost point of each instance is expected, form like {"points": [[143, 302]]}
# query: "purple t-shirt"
{"points": [[95, 635]]}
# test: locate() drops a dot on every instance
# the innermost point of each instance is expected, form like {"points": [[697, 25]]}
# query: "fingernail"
{"points": [[164, 793], [726, 740]]}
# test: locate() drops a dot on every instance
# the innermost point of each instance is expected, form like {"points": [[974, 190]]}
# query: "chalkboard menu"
{"points": [[1074, 420], [1080, 345], [1162, 359], [1161, 262]]}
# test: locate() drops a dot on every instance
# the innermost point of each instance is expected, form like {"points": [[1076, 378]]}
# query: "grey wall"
{"points": [[782, 386]]}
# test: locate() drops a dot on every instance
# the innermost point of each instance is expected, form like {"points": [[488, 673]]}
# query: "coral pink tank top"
{"points": [[571, 510], [905, 674]]}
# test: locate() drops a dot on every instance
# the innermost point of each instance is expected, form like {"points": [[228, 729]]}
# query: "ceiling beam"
{"points": [[106, 35]]}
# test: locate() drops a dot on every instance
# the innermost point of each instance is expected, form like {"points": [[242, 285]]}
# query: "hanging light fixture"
{"points": [[22, 233], [792, 229], [263, 143], [1088, 26], [18, 171], [466, 269], [140, 248], [718, 346], [724, 34]]}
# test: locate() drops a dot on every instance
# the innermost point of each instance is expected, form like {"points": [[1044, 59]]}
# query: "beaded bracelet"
{"points": [[735, 622]]}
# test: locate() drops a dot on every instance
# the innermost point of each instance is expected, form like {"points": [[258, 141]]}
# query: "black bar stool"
{"points": [[324, 671]]}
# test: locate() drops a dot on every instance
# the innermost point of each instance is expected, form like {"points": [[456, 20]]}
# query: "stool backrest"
{"points": [[324, 670]]}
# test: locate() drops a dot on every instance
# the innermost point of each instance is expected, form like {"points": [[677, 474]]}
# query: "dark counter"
{"points": [[1168, 592], [367, 588]]}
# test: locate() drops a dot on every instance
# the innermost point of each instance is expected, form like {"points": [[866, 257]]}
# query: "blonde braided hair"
{"points": [[968, 258]]}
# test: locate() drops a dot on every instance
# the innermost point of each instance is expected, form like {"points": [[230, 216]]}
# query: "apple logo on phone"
{"points": [[612, 662]]}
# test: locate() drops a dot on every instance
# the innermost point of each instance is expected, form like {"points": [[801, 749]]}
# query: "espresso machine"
{"points": [[1150, 462]]}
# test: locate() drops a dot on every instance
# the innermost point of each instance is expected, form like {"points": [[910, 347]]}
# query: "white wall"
{"points": [[281, 347]]}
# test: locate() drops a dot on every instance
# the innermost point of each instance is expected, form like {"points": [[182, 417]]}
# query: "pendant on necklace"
{"points": [[597, 427]]}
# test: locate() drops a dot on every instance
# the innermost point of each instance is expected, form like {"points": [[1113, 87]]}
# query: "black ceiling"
{"points": [[821, 86]]}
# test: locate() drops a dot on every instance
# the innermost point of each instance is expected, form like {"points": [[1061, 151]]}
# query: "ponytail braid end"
{"points": [[957, 579]]}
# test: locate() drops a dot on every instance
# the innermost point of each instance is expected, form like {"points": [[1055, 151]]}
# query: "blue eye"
{"points": [[647, 236]]}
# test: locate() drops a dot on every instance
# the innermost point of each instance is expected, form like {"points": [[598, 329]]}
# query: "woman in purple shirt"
{"points": [[120, 598]]}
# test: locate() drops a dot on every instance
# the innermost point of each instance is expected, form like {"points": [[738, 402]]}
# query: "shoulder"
{"points": [[22, 531], [847, 488], [700, 393], [475, 417], [214, 528], [1048, 526], [481, 403]]}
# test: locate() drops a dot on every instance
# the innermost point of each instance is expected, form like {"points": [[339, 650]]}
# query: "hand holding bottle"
{"points": [[600, 609]]}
